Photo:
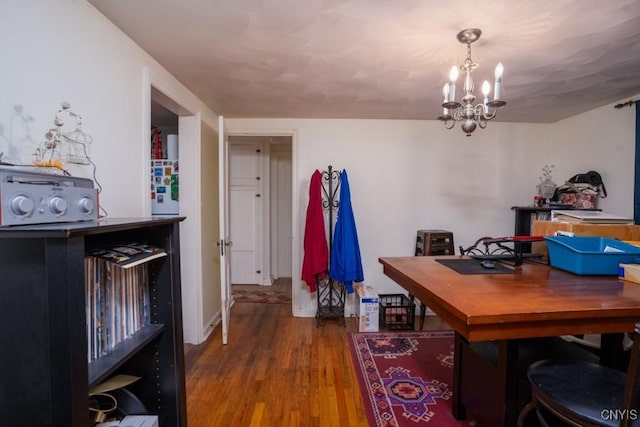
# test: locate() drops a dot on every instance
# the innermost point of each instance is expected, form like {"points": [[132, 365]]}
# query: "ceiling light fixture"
{"points": [[471, 116]]}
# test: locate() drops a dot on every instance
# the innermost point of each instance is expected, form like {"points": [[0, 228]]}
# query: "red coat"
{"points": [[315, 263]]}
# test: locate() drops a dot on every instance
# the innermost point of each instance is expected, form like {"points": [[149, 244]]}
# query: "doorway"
{"points": [[196, 276], [260, 207], [164, 161]]}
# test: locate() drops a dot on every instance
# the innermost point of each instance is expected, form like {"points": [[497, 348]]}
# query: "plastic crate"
{"points": [[590, 255], [396, 312]]}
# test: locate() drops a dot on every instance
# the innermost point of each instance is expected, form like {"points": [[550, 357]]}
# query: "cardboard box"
{"points": [[367, 302], [630, 272]]}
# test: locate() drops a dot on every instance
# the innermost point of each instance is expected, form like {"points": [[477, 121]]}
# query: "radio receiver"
{"points": [[39, 198]]}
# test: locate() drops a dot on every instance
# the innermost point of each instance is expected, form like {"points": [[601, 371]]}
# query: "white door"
{"points": [[225, 243], [245, 208]]}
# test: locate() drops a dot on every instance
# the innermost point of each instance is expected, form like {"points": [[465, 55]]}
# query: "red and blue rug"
{"points": [[405, 377]]}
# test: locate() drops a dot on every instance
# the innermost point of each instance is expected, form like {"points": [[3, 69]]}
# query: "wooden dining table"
{"points": [[505, 310]]}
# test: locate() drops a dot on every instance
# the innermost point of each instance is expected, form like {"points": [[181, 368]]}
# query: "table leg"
{"points": [[457, 408], [508, 382], [517, 253], [612, 351]]}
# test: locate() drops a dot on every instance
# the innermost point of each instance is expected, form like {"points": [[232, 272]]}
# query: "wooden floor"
{"points": [[277, 370]]}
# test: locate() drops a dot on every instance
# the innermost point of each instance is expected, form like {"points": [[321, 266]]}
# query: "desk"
{"points": [[538, 301]]}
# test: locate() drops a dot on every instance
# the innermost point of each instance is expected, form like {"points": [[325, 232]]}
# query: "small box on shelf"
{"points": [[397, 311]]}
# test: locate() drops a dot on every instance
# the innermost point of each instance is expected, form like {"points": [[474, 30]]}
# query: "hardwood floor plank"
{"points": [[258, 412]]}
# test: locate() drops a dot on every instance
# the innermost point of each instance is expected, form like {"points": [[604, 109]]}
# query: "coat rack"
{"points": [[330, 293]]}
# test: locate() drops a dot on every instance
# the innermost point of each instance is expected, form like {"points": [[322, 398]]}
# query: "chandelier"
{"points": [[464, 111]]}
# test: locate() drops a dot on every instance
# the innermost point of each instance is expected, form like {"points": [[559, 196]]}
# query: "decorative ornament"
{"points": [[547, 187], [64, 145]]}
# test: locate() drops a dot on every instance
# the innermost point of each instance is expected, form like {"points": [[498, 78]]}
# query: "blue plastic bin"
{"points": [[590, 255]]}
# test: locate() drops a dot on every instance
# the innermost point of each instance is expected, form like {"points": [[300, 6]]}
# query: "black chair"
{"points": [[486, 247], [577, 393]]}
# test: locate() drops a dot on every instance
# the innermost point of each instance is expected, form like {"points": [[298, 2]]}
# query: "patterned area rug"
{"points": [[405, 377], [278, 293]]}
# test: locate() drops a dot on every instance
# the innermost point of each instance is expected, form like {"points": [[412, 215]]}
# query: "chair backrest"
{"points": [[632, 381], [485, 246]]}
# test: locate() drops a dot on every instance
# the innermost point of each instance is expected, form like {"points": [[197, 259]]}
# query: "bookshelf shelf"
{"points": [[101, 368], [46, 375]]}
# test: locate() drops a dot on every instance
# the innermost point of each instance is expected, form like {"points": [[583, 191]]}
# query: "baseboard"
{"points": [[211, 325], [304, 313]]}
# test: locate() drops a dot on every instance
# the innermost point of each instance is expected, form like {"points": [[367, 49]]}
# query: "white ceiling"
{"points": [[388, 58]]}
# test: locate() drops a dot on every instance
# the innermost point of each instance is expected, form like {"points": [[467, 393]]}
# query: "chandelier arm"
{"points": [[481, 112], [489, 113], [458, 114]]}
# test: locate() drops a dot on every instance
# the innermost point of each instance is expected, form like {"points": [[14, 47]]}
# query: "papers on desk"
{"points": [[588, 217]]}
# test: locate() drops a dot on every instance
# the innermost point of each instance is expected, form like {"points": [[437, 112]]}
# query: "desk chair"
{"points": [[578, 393]]}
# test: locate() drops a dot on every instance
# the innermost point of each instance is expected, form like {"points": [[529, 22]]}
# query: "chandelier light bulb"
{"points": [[453, 74], [499, 71], [486, 88]]}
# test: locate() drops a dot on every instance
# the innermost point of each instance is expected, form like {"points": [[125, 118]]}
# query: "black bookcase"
{"points": [[45, 375]]}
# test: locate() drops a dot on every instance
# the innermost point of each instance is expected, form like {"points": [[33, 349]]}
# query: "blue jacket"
{"points": [[346, 264]]}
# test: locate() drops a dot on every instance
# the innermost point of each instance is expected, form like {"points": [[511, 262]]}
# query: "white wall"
{"points": [[411, 175], [600, 140]]}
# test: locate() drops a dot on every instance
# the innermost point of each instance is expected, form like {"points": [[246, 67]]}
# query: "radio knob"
{"points": [[21, 205], [86, 205], [58, 205]]}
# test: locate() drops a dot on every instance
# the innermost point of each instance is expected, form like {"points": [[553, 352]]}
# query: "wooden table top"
{"points": [[536, 301]]}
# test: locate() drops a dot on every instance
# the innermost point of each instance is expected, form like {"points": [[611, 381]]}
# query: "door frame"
{"points": [[189, 124], [295, 241], [226, 297]]}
